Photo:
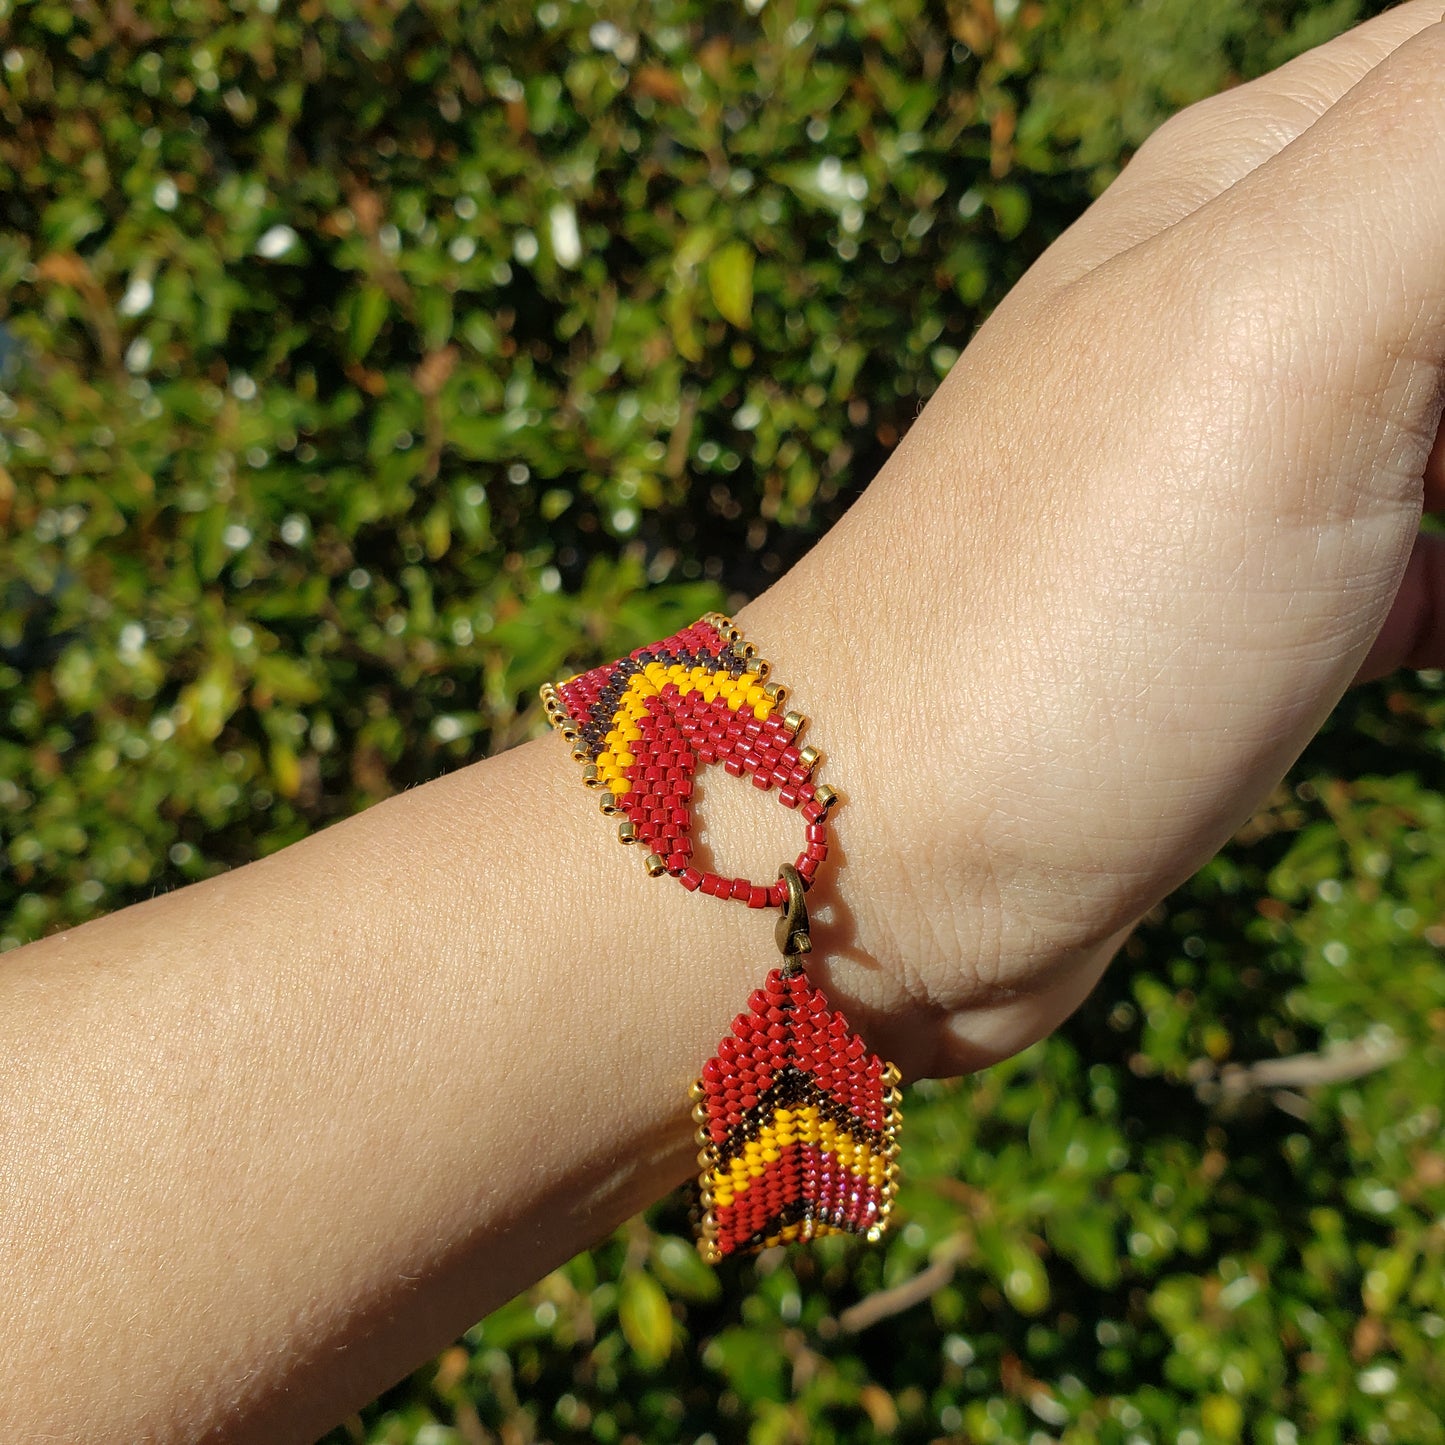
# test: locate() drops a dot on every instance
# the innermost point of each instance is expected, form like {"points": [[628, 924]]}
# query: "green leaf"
{"points": [[368, 313], [646, 1318], [680, 1269], [286, 679], [730, 279], [210, 701]]}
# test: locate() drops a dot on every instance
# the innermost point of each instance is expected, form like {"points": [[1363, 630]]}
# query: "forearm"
{"points": [[271, 1139]]}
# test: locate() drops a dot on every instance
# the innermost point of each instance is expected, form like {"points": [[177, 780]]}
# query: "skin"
{"points": [[270, 1141]]}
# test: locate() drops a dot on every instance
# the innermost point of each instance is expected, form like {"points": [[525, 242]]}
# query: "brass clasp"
{"points": [[792, 930]]}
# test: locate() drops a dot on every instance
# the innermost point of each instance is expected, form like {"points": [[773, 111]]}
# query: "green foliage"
{"points": [[361, 366]]}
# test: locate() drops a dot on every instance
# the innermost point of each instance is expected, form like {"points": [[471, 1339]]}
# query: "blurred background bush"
{"points": [[364, 364]]}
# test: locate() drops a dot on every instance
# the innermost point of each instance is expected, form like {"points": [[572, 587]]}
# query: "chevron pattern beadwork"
{"points": [[799, 1122], [641, 727]]}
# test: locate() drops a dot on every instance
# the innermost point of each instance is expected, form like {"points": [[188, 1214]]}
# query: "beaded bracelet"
{"points": [[797, 1119]]}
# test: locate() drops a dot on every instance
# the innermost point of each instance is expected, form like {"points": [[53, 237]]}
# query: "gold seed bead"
{"points": [[827, 798], [875, 1233], [701, 1137], [609, 804], [709, 1251], [590, 776], [892, 1075], [810, 758], [627, 831], [795, 722], [705, 1159], [758, 667], [704, 1197], [696, 1092], [776, 693], [655, 864]]}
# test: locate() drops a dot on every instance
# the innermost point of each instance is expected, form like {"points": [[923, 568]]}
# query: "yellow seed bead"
{"points": [[771, 1156], [756, 1170]]}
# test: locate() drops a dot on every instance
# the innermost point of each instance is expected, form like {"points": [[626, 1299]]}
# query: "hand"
{"points": [[1160, 514]]}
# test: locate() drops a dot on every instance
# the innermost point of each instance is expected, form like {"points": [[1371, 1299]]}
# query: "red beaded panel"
{"points": [[647, 721], [796, 1118], [801, 1122]]}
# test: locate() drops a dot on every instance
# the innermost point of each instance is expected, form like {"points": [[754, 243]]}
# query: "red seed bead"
{"points": [[816, 832], [817, 849], [741, 888], [757, 896], [690, 879], [788, 793]]}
